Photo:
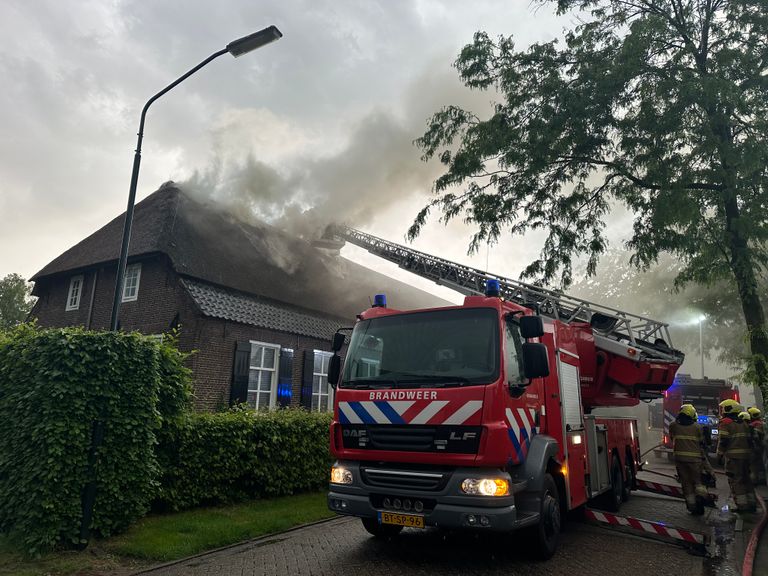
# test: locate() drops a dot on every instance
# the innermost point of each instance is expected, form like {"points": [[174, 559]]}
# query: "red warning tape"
{"points": [[657, 529], [674, 491]]}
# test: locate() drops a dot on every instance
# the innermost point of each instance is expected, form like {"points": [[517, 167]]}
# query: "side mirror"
{"points": [[338, 341], [535, 360], [531, 327], [334, 368]]}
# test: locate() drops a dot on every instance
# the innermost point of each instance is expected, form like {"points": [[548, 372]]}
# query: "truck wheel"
{"points": [[545, 536], [629, 472], [373, 528], [613, 498]]}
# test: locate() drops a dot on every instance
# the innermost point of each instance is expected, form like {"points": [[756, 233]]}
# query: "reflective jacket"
{"points": [[758, 433], [687, 441], [734, 439]]}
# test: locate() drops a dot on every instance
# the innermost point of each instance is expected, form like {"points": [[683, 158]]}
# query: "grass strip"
{"points": [[167, 537]]}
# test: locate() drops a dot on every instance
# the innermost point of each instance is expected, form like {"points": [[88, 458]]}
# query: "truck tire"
{"points": [[545, 536], [629, 472], [377, 530], [615, 496]]}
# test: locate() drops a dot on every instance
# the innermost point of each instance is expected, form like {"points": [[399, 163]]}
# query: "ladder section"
{"points": [[616, 331]]}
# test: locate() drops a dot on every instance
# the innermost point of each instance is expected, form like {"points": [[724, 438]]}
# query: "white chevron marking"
{"points": [[374, 412], [462, 414], [349, 413], [431, 409]]}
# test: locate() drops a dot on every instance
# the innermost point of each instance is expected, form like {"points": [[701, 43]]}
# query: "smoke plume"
{"points": [[306, 188]]}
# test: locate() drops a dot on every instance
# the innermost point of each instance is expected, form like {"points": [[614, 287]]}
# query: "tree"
{"points": [[661, 105], [15, 301]]}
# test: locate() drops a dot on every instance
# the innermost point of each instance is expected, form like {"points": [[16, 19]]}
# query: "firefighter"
{"points": [[688, 448], [734, 447], [758, 446]]}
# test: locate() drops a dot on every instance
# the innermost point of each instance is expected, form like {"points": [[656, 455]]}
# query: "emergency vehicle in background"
{"points": [[477, 416], [704, 394]]}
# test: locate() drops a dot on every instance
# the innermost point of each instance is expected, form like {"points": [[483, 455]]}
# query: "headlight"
{"points": [[340, 475], [485, 486]]}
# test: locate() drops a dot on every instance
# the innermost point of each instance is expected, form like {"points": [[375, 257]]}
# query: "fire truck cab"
{"points": [[477, 417]]}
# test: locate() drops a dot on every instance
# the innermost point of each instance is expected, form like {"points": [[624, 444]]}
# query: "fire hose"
{"points": [[650, 449]]}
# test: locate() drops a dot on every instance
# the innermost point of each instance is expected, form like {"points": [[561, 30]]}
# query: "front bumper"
{"points": [[448, 507]]}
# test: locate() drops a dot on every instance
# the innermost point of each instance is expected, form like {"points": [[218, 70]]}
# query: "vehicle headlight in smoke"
{"points": [[340, 475], [485, 486]]}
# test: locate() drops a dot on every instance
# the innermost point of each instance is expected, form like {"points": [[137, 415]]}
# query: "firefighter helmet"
{"points": [[744, 416], [688, 410], [754, 413], [729, 406]]}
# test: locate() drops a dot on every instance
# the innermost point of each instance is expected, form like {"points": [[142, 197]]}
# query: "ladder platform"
{"points": [[618, 332]]}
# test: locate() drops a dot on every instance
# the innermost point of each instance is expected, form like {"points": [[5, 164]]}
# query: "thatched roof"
{"points": [[205, 242]]}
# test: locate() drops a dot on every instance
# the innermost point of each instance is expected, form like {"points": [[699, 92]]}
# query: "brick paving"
{"points": [[341, 547]]}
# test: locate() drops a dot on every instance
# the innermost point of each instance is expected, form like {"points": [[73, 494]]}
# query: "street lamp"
{"points": [[701, 319], [237, 48]]}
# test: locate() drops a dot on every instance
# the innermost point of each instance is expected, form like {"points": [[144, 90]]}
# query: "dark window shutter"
{"points": [[285, 378], [306, 379], [239, 392]]}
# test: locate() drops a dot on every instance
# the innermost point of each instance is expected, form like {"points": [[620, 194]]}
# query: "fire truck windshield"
{"points": [[442, 348]]}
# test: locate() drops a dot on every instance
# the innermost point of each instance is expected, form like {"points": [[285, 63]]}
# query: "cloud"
{"points": [[77, 75]]}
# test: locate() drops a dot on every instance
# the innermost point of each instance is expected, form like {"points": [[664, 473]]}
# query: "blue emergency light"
{"points": [[380, 301], [492, 287], [703, 419]]}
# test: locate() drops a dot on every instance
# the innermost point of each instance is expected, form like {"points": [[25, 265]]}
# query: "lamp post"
{"points": [[236, 48], [701, 342]]}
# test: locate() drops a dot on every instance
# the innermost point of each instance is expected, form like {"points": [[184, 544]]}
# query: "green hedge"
{"points": [[230, 456], [54, 384]]}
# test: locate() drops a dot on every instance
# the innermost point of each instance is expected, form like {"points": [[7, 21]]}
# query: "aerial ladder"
{"points": [[635, 359]]}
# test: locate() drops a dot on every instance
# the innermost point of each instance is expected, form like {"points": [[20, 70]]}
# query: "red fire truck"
{"points": [[705, 394], [478, 416]]}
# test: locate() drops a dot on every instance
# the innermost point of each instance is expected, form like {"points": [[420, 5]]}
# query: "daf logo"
{"points": [[354, 433], [465, 436]]}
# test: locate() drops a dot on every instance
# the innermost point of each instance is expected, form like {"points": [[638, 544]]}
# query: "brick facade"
{"points": [[163, 302]]}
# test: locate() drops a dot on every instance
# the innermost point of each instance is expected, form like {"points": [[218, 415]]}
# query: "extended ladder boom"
{"points": [[616, 331]]}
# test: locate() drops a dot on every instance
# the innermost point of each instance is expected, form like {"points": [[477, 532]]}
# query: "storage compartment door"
{"points": [[570, 395], [597, 454]]}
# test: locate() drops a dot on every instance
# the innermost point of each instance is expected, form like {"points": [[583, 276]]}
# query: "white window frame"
{"points": [[323, 377], [135, 295], [81, 281], [275, 374]]}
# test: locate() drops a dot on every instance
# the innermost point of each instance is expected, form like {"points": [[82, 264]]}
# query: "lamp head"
{"points": [[253, 41]]}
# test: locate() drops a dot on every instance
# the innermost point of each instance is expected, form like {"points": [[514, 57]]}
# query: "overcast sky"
{"points": [[322, 120], [348, 85]]}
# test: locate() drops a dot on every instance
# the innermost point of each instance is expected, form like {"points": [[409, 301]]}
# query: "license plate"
{"points": [[407, 520]]}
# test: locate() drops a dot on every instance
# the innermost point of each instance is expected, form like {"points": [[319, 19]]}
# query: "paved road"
{"points": [[341, 547]]}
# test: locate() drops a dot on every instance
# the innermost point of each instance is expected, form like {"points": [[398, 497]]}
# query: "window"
{"points": [[75, 291], [514, 354], [455, 347], [131, 282], [322, 395], [262, 375]]}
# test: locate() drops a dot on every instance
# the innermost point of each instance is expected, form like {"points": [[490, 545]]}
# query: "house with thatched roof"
{"points": [[257, 305]]}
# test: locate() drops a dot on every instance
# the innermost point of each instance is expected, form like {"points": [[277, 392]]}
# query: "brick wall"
{"points": [[161, 300], [152, 312], [214, 342]]}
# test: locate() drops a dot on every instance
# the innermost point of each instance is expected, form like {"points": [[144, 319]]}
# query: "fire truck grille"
{"points": [[401, 438], [404, 479], [412, 438]]}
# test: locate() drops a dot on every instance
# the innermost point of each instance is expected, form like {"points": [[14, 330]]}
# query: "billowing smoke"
{"points": [[307, 188]]}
